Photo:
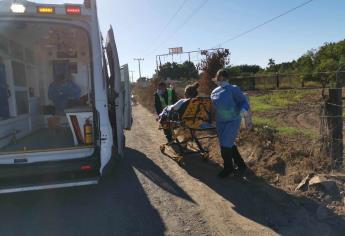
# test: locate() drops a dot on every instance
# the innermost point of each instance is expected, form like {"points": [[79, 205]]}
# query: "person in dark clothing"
{"points": [[164, 97], [191, 91], [63, 90]]}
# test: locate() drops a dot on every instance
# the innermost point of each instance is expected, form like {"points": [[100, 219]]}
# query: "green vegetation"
{"points": [[178, 71], [282, 130], [264, 121], [274, 101], [289, 131], [243, 70], [309, 67], [277, 100]]}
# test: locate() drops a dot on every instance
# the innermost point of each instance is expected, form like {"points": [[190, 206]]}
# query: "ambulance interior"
{"points": [[46, 99]]}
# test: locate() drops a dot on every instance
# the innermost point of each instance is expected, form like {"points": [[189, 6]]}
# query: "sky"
{"points": [[141, 32]]}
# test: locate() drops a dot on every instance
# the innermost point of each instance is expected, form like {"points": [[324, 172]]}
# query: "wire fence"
{"points": [[273, 81], [313, 108]]}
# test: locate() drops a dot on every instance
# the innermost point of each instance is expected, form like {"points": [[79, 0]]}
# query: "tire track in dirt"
{"points": [[302, 117], [308, 121]]}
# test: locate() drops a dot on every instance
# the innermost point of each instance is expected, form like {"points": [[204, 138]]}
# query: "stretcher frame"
{"points": [[186, 127]]}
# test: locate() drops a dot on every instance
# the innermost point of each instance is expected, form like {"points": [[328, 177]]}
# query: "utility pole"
{"points": [[139, 59], [132, 71]]}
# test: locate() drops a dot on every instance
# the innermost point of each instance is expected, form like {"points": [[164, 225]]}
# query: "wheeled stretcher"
{"points": [[191, 127]]}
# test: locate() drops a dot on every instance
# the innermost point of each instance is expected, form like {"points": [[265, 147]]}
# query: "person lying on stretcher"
{"points": [[191, 91]]}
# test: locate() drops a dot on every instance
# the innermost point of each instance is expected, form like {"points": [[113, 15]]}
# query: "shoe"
{"points": [[225, 173], [240, 172]]}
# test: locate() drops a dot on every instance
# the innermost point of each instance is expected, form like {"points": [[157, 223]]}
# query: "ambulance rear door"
{"points": [[115, 77], [126, 85]]}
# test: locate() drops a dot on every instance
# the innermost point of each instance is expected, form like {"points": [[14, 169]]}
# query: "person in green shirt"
{"points": [[164, 97]]}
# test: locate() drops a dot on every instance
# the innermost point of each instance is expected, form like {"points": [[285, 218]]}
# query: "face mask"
{"points": [[221, 83]]}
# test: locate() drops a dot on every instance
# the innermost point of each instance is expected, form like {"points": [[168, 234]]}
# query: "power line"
{"points": [[196, 10], [266, 22], [170, 20]]}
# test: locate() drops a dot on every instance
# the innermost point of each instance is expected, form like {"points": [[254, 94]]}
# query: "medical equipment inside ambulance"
{"points": [[46, 99]]}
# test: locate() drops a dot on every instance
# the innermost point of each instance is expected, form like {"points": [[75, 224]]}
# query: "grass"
{"points": [[289, 131], [264, 121], [277, 100], [282, 130]]}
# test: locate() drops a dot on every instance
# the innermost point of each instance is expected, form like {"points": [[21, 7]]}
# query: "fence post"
{"points": [[332, 126], [277, 80]]}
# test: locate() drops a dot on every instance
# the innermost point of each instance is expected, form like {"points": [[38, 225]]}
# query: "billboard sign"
{"points": [[175, 50]]}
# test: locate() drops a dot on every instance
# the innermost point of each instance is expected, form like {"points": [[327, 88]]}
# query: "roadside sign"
{"points": [[175, 50]]}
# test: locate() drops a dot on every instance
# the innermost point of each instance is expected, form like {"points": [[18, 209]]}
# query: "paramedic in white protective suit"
{"points": [[229, 102]]}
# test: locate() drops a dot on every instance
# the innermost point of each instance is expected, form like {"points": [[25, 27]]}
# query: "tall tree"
{"points": [[271, 66], [243, 70], [213, 62], [176, 71]]}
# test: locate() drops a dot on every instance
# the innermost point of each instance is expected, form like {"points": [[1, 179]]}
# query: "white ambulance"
{"points": [[63, 96]]}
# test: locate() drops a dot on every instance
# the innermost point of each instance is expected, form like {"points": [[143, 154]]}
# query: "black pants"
{"points": [[168, 134], [231, 156]]}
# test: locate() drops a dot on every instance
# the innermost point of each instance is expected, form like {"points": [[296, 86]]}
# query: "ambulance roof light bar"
{"points": [[18, 8], [73, 10], [27, 7], [45, 10]]}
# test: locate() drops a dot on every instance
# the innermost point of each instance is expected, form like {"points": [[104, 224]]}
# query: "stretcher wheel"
{"points": [[181, 162], [205, 156]]}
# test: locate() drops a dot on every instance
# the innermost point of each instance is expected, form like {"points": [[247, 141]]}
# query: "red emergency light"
{"points": [[73, 10], [86, 167]]}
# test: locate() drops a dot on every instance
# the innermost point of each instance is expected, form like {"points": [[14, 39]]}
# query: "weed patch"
{"points": [[277, 100]]}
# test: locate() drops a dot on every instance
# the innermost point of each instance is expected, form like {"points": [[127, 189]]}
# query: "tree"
{"points": [[213, 62], [189, 70], [305, 66], [243, 70], [165, 71], [142, 79], [271, 66], [178, 71]]}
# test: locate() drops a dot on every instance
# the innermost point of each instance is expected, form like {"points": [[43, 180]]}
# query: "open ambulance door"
{"points": [[126, 85], [115, 86]]}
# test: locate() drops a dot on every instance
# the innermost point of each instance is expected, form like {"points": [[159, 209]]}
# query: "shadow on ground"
{"points": [[257, 200], [117, 206], [153, 172]]}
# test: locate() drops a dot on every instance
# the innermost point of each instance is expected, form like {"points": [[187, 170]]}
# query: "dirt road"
{"points": [[149, 194], [193, 201]]}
